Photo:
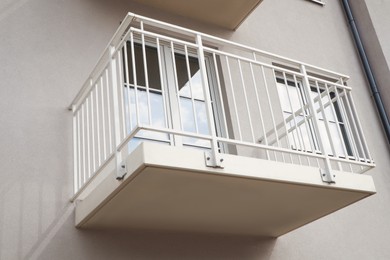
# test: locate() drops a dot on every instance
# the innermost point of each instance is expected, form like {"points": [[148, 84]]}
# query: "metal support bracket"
{"points": [[214, 161], [121, 171], [327, 176]]}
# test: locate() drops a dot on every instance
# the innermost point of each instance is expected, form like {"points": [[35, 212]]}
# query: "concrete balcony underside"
{"points": [[225, 13], [168, 188]]}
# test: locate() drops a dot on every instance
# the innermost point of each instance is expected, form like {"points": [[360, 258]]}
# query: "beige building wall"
{"points": [[48, 48], [373, 21]]}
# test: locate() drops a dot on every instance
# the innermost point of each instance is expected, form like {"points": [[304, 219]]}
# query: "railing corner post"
{"points": [[327, 175], [120, 167], [213, 158]]}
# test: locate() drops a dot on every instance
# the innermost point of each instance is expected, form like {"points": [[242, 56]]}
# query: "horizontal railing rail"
{"points": [[201, 91]]}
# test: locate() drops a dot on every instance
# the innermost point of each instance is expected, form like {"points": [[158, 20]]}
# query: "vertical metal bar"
{"points": [[120, 94], [259, 107], [79, 147], [190, 86], [98, 125], [88, 138], [206, 90], [163, 88], [93, 131], [135, 79], [83, 149], [162, 81], [176, 83], [306, 87], [246, 100], [220, 95], [75, 155], [146, 74], [234, 97], [104, 125], [127, 86], [109, 112], [115, 97]]}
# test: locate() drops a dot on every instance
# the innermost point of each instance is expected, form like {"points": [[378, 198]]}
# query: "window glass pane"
{"points": [[152, 66], [157, 112], [201, 117], [337, 139], [183, 80], [187, 115]]}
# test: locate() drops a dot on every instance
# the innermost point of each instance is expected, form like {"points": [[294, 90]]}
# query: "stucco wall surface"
{"points": [[47, 49]]}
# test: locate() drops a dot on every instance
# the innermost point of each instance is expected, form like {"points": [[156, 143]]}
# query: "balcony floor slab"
{"points": [[169, 188]]}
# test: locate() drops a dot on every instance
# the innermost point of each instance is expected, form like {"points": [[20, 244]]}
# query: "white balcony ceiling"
{"points": [[169, 188], [225, 13]]}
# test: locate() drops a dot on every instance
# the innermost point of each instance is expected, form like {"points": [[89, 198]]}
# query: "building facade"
{"points": [[48, 50]]}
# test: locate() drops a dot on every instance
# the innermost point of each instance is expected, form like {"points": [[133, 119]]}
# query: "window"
{"points": [[169, 93], [300, 123]]}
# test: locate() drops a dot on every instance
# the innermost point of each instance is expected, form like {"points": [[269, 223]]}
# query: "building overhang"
{"points": [[225, 13], [170, 188]]}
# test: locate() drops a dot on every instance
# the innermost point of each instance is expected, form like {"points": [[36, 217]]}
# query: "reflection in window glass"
{"points": [[303, 137]]}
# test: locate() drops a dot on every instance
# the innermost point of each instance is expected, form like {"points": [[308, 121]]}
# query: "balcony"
{"points": [[182, 131]]}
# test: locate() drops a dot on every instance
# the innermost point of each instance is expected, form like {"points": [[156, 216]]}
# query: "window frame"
{"points": [[169, 87]]}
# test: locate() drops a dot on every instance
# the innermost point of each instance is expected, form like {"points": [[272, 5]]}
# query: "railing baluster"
{"points": [[83, 147], [162, 84], [209, 110], [246, 101], [103, 119], [109, 112], [127, 86], [146, 74], [89, 171], [93, 131], [98, 124], [176, 84], [190, 86], [234, 97], [120, 90], [79, 148], [117, 125], [75, 154], [259, 108], [224, 118]]}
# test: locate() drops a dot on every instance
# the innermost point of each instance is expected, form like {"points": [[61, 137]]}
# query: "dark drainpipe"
{"points": [[367, 69]]}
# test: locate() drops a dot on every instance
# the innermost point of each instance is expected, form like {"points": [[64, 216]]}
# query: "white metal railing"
{"points": [[163, 83]]}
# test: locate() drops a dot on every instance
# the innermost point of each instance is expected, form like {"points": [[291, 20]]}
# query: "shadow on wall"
{"points": [[102, 244]]}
